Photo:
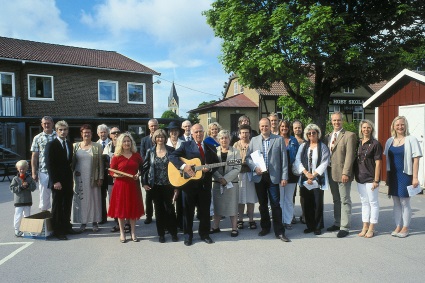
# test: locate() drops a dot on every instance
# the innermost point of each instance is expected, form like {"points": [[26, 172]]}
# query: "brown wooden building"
{"points": [[404, 95]]}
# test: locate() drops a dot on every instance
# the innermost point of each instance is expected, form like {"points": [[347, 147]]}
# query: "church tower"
{"points": [[173, 100]]}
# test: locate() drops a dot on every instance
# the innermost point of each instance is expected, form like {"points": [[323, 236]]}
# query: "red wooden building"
{"points": [[404, 95]]}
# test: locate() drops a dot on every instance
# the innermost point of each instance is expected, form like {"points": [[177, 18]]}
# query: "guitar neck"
{"points": [[209, 166]]}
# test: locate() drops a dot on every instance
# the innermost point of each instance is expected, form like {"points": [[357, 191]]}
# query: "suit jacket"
{"points": [[58, 164], [148, 172], [189, 150], [183, 138], [97, 168], [342, 155], [278, 160], [230, 173], [106, 142], [145, 144]]}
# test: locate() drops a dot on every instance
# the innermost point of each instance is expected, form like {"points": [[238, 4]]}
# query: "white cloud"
{"points": [[164, 64], [32, 19], [177, 21], [177, 25]]}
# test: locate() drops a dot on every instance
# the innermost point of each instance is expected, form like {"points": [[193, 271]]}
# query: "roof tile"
{"points": [[18, 49]]}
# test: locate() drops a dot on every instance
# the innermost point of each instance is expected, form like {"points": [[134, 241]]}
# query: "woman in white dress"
{"points": [[88, 170]]}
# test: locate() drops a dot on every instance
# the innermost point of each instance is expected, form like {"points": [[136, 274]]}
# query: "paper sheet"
{"points": [[413, 191], [258, 159], [314, 185]]}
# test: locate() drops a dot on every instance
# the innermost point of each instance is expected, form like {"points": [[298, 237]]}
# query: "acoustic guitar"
{"points": [[178, 177]]}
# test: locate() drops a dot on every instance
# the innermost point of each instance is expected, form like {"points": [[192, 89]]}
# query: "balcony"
{"points": [[10, 106]]}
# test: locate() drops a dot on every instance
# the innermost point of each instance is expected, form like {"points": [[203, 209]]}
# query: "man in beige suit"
{"points": [[342, 145]]}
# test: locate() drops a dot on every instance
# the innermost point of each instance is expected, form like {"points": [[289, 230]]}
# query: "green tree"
{"points": [[170, 115], [334, 44], [193, 118], [204, 103]]}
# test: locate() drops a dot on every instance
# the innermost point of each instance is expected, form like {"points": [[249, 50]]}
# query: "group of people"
{"points": [[235, 171]]}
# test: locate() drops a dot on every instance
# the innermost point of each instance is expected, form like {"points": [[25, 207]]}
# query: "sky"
{"points": [[169, 36]]}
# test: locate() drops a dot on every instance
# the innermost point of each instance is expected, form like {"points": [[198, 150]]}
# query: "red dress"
{"points": [[126, 200]]}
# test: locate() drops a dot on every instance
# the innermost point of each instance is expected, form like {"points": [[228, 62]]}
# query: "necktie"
{"points": [[333, 141], [201, 150], [188, 138], [103, 144], [64, 147]]}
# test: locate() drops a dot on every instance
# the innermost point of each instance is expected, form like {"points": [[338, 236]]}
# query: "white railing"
{"points": [[10, 106]]}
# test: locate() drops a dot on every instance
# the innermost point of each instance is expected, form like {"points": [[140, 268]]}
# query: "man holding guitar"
{"points": [[197, 191]]}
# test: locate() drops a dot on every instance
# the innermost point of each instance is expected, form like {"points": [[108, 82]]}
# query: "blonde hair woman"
{"points": [[403, 152], [126, 201]]}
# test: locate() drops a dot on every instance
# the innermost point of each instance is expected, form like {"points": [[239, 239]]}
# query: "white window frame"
{"points": [[117, 100], [358, 110], [128, 93], [13, 83], [335, 108], [208, 117], [41, 98], [348, 90], [235, 88]]}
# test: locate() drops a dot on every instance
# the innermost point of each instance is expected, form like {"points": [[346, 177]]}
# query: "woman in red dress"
{"points": [[126, 200]]}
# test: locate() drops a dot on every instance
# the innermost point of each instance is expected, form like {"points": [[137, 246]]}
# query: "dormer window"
{"points": [[349, 90], [235, 88]]}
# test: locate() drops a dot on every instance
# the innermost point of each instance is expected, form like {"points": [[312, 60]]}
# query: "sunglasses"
{"points": [[311, 133], [115, 133]]}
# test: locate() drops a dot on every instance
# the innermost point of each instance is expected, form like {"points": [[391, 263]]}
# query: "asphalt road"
{"points": [[100, 257]]}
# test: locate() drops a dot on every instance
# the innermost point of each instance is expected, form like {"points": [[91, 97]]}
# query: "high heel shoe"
{"points": [[123, 241], [135, 239]]}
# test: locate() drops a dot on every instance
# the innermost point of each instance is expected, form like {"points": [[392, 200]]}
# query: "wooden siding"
{"points": [[406, 92]]}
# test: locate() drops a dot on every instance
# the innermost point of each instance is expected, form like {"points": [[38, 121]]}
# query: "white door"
{"points": [[415, 115]]}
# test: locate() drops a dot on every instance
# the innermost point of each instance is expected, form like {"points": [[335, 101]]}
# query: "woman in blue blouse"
{"points": [[403, 153]]}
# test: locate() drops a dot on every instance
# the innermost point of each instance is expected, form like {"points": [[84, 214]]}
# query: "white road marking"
{"points": [[25, 245]]}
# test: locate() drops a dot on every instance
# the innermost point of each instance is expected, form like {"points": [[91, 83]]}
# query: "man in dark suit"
{"points": [[196, 192], [59, 159], [145, 144], [103, 132], [186, 126], [273, 150]]}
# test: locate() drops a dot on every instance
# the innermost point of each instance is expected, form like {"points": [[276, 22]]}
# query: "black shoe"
{"points": [[174, 238], [61, 236], [71, 231], [317, 232], [207, 240], [116, 228], [148, 220], [342, 234], [103, 222], [333, 228], [216, 230], [188, 241], [306, 231], [161, 239], [283, 238], [234, 233], [127, 228], [263, 232]]}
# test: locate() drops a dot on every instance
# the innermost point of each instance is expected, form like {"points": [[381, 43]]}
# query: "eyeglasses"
{"points": [[311, 133], [115, 133]]}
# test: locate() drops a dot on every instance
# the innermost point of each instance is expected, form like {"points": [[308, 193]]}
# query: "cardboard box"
{"points": [[37, 226]]}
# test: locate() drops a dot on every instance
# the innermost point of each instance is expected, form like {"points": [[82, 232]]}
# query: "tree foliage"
{"points": [[193, 118], [333, 44], [170, 115], [205, 103]]}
